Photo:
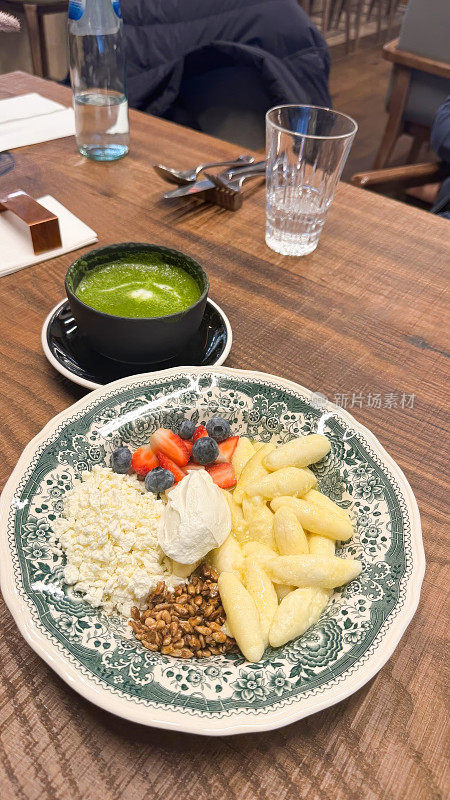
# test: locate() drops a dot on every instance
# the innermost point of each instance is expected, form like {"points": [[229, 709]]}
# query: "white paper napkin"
{"points": [[31, 118], [16, 249]]}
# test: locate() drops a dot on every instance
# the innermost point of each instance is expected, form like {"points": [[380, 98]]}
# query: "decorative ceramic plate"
{"points": [[72, 356], [95, 654]]}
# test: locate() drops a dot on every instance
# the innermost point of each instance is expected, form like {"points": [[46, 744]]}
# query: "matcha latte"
{"points": [[136, 289]]}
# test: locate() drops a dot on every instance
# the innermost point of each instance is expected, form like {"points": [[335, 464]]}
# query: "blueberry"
{"points": [[205, 450], [121, 460], [158, 480], [187, 429], [218, 428]]}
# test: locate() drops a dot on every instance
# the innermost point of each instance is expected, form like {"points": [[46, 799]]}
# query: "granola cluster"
{"points": [[185, 622]]}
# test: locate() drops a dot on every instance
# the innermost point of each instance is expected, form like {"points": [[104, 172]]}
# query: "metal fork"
{"points": [[184, 176], [227, 192]]}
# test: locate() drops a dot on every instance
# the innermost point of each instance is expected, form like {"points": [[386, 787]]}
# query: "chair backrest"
{"points": [[426, 29], [425, 32]]}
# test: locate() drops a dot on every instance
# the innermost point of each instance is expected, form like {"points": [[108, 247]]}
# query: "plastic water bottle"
{"points": [[97, 74]]}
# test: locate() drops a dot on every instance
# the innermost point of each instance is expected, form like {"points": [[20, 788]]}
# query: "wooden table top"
{"points": [[362, 318]]}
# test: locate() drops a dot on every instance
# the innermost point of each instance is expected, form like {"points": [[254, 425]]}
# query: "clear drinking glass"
{"points": [[97, 73], [307, 147]]}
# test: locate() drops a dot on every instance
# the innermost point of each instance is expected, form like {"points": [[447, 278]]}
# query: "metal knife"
{"points": [[258, 168]]}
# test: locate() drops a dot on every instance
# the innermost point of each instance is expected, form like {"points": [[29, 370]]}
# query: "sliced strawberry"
{"points": [[188, 445], [169, 443], [143, 460], [191, 466], [223, 475], [227, 448], [166, 463], [199, 433]]}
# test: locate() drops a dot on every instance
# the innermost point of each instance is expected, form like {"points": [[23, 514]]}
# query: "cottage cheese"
{"points": [[108, 532]]}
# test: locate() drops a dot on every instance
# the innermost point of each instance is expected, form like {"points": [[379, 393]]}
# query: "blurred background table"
{"points": [[360, 318]]}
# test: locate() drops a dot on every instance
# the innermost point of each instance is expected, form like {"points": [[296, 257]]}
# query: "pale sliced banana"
{"points": [[298, 452], [320, 572], [321, 545], [282, 590], [228, 557], [242, 616], [243, 453], [296, 613], [315, 518], [258, 551], [239, 527], [259, 520], [287, 481], [322, 500], [290, 537], [262, 590], [252, 471]]}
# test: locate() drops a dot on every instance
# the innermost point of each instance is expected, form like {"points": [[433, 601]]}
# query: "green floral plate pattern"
{"points": [[97, 655]]}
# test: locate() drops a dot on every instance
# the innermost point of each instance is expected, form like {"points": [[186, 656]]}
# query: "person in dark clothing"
{"points": [[440, 143], [218, 66]]}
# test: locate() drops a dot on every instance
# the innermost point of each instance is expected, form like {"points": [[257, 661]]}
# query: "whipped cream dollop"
{"points": [[195, 520]]}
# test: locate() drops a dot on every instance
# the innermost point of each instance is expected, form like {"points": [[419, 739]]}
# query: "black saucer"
{"points": [[72, 356]]}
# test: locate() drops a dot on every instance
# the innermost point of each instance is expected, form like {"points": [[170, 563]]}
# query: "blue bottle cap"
{"points": [[76, 9], [116, 7]]}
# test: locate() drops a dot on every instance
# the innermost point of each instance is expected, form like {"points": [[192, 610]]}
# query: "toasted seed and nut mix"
{"points": [[186, 622]]}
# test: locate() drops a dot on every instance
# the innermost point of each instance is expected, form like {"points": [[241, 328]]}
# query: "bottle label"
{"points": [[116, 7], [76, 9]]}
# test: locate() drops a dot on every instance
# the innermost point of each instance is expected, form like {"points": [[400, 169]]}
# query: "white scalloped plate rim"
{"points": [[235, 722]]}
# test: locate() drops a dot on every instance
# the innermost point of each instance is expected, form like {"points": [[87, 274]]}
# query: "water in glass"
{"points": [[295, 218], [307, 148], [102, 124]]}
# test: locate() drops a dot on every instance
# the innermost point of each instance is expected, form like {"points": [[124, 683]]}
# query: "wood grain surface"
{"points": [[363, 314]]}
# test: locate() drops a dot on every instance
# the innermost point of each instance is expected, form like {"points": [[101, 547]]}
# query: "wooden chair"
{"points": [[354, 8], [34, 11], [394, 179], [420, 77], [344, 7], [384, 8], [397, 180], [326, 11]]}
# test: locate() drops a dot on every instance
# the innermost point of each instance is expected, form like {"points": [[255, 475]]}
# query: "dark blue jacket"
{"points": [[168, 40], [440, 143]]}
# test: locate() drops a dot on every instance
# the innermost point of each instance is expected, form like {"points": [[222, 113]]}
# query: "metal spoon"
{"points": [[184, 176]]}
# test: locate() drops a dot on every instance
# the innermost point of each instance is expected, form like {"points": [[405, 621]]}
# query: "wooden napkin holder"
{"points": [[43, 225]]}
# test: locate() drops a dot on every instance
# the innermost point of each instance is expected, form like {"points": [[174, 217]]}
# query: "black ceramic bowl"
{"points": [[142, 340]]}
